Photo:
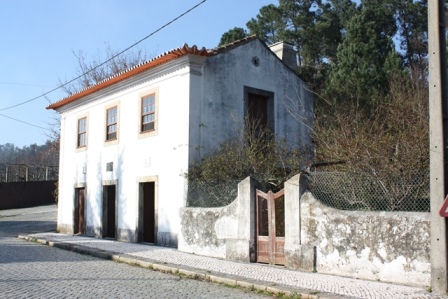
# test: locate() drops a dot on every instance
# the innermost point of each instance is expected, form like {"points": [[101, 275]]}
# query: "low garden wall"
{"points": [[225, 232], [386, 246]]}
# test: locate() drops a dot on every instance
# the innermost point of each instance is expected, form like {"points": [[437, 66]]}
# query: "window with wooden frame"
{"points": [[111, 123], [82, 132], [148, 113]]}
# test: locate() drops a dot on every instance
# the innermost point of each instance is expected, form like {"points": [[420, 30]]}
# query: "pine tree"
{"points": [[232, 35], [268, 25], [362, 72]]}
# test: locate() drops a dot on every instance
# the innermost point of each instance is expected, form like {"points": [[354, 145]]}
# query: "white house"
{"points": [[127, 141]]}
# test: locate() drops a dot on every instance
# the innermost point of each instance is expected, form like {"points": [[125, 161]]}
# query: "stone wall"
{"points": [[225, 232], [385, 246]]}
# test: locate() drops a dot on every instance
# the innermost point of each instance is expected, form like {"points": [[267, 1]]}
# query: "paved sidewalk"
{"points": [[258, 276]]}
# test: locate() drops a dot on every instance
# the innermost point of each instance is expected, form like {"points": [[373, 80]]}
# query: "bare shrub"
{"points": [[255, 152], [392, 137], [96, 69], [386, 146]]}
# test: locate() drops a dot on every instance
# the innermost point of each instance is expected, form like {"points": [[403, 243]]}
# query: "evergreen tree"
{"points": [[269, 25], [232, 35], [362, 72], [412, 20]]}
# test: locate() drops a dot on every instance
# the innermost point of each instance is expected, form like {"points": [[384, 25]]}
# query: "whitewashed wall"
{"points": [[200, 102], [164, 156]]}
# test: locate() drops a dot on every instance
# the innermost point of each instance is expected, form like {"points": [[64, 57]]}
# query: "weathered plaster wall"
{"points": [[385, 246], [226, 232], [223, 95], [204, 230]]}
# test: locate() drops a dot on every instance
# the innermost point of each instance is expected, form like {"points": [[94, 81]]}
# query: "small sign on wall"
{"points": [[146, 162], [110, 166]]}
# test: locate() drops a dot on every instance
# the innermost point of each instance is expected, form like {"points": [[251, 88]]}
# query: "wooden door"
{"points": [[80, 220], [258, 112], [271, 227], [109, 211], [149, 212]]}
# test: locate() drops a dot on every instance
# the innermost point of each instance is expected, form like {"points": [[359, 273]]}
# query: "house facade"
{"points": [[127, 142]]}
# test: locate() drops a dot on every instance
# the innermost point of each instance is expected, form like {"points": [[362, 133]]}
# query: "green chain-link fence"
{"points": [[364, 192], [211, 194]]}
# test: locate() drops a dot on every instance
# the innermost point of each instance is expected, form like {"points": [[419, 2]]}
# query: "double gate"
{"points": [[271, 227]]}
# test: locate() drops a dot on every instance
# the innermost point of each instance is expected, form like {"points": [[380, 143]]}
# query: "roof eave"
{"points": [[161, 59]]}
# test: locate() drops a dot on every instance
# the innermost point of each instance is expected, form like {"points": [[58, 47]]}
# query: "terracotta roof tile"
{"points": [[158, 60]]}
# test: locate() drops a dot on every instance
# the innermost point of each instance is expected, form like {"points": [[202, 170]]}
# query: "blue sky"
{"points": [[38, 39]]}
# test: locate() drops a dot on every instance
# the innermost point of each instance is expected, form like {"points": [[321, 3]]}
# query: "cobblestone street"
{"points": [[30, 270]]}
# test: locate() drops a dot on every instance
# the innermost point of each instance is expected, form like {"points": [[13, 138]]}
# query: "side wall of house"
{"points": [[222, 105], [160, 157]]}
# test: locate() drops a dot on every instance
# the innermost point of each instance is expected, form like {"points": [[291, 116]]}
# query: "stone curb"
{"points": [[188, 272]]}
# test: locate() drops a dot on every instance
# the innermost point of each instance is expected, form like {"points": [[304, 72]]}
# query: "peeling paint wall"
{"points": [[384, 246], [201, 229], [223, 93], [226, 232]]}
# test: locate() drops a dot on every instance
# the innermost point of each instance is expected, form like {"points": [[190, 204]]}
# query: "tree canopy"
{"points": [[232, 35], [33, 154], [346, 49], [367, 64]]}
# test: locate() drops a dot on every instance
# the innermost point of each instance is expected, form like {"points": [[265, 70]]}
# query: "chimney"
{"points": [[286, 53]]}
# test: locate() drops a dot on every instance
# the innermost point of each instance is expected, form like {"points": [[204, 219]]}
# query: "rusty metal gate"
{"points": [[271, 227]]}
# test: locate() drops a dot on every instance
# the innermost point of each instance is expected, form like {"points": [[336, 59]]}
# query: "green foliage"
{"points": [[232, 35], [362, 72], [269, 25], [372, 100], [345, 51], [300, 19], [412, 21]]}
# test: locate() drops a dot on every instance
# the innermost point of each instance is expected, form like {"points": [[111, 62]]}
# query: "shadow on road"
{"points": [[15, 228], [15, 251]]}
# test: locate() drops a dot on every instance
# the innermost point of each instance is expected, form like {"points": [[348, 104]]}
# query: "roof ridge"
{"points": [[231, 45], [152, 62]]}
